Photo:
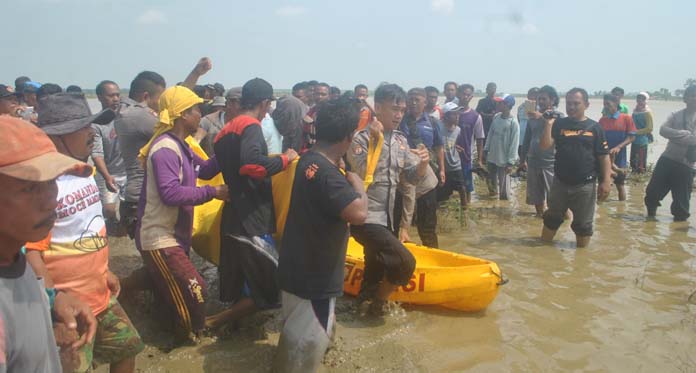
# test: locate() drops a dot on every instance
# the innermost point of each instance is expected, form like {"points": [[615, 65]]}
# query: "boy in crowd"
{"points": [[454, 177], [620, 131], [501, 148], [165, 209], [536, 161], [581, 155], [74, 257], [388, 263], [471, 132], [311, 264]]}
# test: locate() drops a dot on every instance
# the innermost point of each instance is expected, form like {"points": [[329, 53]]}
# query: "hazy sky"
{"points": [[637, 44]]}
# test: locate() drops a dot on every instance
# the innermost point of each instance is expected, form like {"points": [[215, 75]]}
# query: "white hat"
{"points": [[450, 106]]}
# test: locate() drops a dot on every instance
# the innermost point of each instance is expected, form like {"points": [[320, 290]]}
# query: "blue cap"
{"points": [[509, 100], [31, 87]]}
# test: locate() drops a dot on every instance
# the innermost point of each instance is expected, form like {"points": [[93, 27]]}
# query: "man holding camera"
{"points": [[582, 157], [674, 170]]}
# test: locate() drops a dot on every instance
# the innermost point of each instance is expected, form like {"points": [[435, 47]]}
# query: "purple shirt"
{"points": [[471, 126], [171, 182]]}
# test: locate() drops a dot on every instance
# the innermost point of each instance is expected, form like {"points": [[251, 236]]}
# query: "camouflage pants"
{"points": [[116, 339]]}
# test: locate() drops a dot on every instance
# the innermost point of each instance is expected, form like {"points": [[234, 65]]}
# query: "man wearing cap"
{"points": [[28, 172], [248, 259], [106, 154], [217, 104], [501, 147], [74, 257], [9, 103], [211, 124], [454, 180]]}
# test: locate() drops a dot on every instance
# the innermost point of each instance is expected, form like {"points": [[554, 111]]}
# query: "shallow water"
{"points": [[620, 305]]}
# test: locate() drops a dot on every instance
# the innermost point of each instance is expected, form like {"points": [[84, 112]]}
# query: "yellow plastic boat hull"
{"points": [[441, 278]]}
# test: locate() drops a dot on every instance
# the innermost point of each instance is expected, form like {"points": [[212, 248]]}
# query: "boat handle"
{"points": [[502, 278]]}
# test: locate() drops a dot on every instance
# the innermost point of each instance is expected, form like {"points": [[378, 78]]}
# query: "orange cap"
{"points": [[28, 154]]}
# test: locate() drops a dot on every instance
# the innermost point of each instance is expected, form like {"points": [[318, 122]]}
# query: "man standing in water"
{"points": [[620, 131], [486, 107], [674, 170], [580, 150], [388, 263], [471, 134], [310, 270], [421, 129]]}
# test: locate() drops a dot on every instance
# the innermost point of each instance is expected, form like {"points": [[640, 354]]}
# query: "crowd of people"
{"points": [[366, 171]]}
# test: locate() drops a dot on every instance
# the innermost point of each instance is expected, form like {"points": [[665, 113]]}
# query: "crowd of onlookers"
{"points": [[366, 171]]}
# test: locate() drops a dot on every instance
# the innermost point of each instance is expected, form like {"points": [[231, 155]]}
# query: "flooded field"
{"points": [[621, 305]]}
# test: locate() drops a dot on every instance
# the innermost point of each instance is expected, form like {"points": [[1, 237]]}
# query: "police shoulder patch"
{"points": [[311, 171]]}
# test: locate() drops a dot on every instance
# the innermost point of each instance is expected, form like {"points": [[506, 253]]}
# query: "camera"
{"points": [[550, 114]]}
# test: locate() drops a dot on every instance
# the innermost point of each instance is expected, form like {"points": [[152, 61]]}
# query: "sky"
{"points": [[636, 44]]}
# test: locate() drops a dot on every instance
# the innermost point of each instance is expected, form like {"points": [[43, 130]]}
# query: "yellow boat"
{"points": [[441, 278]]}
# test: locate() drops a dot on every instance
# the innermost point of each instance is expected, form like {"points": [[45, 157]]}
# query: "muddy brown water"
{"points": [[621, 304]]}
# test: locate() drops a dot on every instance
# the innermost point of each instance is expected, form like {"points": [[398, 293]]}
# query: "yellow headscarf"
{"points": [[173, 101]]}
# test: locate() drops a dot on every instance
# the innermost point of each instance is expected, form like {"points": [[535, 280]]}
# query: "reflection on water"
{"points": [[619, 305]]}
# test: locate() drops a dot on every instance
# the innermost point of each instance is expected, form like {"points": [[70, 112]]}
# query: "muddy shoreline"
{"points": [[598, 308]]}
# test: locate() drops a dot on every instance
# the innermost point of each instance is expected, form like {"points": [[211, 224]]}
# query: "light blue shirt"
{"points": [[503, 140], [274, 141]]}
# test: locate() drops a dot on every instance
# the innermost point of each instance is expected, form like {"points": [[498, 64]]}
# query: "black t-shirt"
{"points": [[313, 250], [578, 146]]}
